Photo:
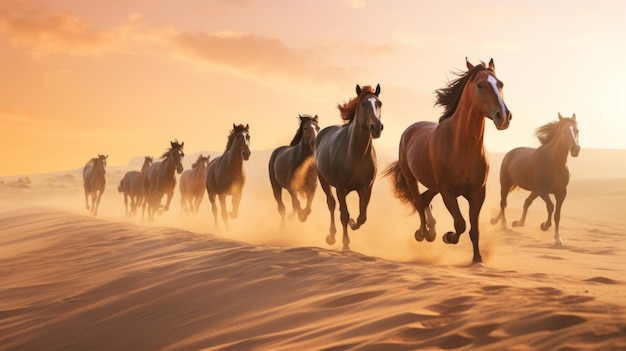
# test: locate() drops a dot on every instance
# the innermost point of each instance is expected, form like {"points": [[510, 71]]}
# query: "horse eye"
{"points": [[479, 85]]}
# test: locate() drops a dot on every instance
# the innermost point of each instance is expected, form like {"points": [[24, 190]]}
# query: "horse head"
{"points": [[101, 162], [369, 108], [488, 91], [241, 140], [569, 133], [177, 154], [147, 161], [309, 129]]}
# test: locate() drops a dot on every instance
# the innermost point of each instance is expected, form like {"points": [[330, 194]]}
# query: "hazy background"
{"points": [[125, 77]]}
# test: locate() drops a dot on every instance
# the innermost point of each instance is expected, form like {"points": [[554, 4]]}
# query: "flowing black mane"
{"points": [[449, 97], [175, 145], [298, 137], [546, 132], [348, 109], [231, 136]]}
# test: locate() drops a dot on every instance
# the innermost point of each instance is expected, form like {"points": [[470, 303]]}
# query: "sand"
{"points": [[72, 281]]}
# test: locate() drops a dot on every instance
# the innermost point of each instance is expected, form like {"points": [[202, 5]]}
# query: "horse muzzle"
{"points": [[245, 155], [500, 120], [574, 150], [179, 169], [376, 129]]}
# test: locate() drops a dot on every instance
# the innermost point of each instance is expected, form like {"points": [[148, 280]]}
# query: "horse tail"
{"points": [[400, 188]]}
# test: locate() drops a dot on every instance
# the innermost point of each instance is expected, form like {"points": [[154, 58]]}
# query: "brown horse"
{"points": [[161, 179], [291, 167], [94, 181], [345, 158], [449, 157], [133, 188], [225, 174], [192, 185], [542, 171]]}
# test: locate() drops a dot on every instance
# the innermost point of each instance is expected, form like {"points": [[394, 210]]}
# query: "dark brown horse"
{"points": [[345, 158], [94, 181], [225, 174], [133, 187], [449, 157], [192, 185], [291, 167], [161, 179], [542, 171]]}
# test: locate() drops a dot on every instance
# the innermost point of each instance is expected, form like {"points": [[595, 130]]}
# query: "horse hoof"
{"points": [[517, 224], [345, 248], [330, 240], [431, 237], [450, 238], [493, 221], [544, 226], [353, 224], [558, 243], [418, 235]]}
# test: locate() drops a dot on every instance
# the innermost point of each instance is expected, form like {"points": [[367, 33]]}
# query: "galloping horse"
{"points": [[225, 174], [449, 157], [94, 180], [542, 171], [133, 186], [161, 179], [345, 158], [192, 185], [291, 167]]}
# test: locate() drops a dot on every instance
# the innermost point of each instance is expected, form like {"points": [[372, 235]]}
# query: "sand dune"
{"points": [[72, 281]]}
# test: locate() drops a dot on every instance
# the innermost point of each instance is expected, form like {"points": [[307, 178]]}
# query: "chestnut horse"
{"points": [[291, 167], [449, 157], [133, 188], [542, 171], [192, 185], [161, 179], [345, 158], [225, 174], [94, 181]]}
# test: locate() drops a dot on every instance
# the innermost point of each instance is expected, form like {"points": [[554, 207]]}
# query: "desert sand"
{"points": [[72, 281]]}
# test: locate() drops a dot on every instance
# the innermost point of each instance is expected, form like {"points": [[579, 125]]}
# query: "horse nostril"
{"points": [[382, 127]]}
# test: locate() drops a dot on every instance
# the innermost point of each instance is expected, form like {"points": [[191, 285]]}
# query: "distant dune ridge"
{"points": [[74, 281]]}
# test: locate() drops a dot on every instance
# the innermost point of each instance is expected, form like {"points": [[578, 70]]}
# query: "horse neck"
{"points": [[168, 165], [234, 159], [468, 123], [303, 150], [558, 148], [360, 143], [200, 170], [98, 170]]}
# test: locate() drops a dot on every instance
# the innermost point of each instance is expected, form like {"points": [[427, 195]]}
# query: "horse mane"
{"points": [[348, 109], [198, 161], [450, 96], [175, 145], [235, 131], [546, 132], [298, 137]]}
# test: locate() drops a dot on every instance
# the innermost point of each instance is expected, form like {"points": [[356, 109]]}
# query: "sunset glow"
{"points": [[124, 78]]}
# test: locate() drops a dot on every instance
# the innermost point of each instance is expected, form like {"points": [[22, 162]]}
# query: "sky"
{"points": [[124, 78]]}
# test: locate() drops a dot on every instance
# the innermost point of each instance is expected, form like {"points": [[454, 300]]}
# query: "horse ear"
{"points": [[560, 117], [107, 156], [182, 144], [358, 90], [247, 127], [574, 116], [315, 118], [377, 89], [468, 64], [492, 67]]}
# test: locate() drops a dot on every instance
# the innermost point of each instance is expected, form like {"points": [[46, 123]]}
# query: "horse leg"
{"points": [[330, 201], [476, 201], [97, 201], [169, 199], [86, 197], [344, 215], [222, 198], [449, 199], [295, 204], [529, 200], [126, 204], [310, 194], [364, 199], [560, 196], [550, 207], [427, 197], [410, 182], [213, 207]]}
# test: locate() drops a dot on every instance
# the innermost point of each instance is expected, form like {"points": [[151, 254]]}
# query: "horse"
{"points": [[449, 157], [132, 186], [192, 185], [161, 179], [542, 171], [291, 167], [225, 174], [346, 160], [94, 181]]}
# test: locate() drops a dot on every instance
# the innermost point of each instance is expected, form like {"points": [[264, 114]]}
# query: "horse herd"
{"points": [[447, 158]]}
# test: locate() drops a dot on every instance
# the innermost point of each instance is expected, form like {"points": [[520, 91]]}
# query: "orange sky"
{"points": [[125, 77]]}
